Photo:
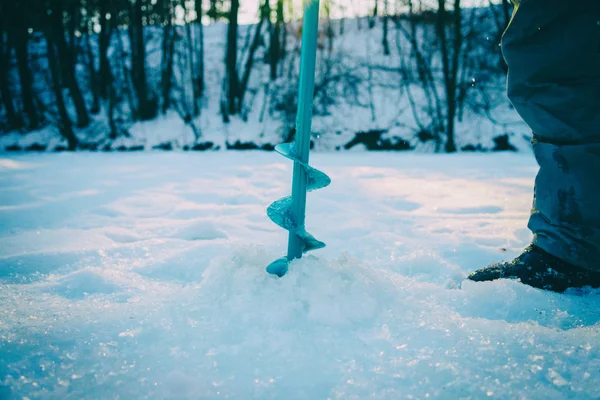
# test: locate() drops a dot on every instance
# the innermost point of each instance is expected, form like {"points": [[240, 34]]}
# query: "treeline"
{"points": [[70, 62]]}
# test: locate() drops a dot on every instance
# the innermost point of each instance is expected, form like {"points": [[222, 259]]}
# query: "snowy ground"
{"points": [[142, 276]]}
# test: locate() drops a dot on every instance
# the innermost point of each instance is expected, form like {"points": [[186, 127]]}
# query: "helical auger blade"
{"points": [[280, 212]]}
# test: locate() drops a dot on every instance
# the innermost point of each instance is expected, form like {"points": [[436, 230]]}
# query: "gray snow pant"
{"points": [[552, 48]]}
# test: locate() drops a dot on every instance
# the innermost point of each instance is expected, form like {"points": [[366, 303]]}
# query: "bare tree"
{"points": [[425, 58], [327, 5], [182, 103], [13, 118], [385, 42], [122, 75], [420, 59], [19, 36], [107, 16], [91, 67], [200, 47], [194, 43], [450, 64], [168, 50], [232, 79], [146, 101], [258, 30], [236, 88], [67, 57], [275, 49], [65, 124]]}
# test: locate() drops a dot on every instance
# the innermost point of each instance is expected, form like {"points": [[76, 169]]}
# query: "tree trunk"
{"points": [[231, 59], [191, 62], [112, 103], [458, 42], [450, 66], [385, 42], [275, 44], [105, 75], [443, 43], [14, 120], [250, 61], [200, 77], [21, 42], [94, 84], [190, 43], [66, 62], [265, 13], [330, 33], [124, 75], [168, 50], [373, 18], [281, 21], [65, 124], [146, 104]]}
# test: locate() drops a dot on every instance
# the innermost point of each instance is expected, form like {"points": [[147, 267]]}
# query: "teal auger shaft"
{"points": [[289, 212]]}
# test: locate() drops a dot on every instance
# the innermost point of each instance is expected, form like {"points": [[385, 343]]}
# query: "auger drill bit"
{"points": [[289, 212]]}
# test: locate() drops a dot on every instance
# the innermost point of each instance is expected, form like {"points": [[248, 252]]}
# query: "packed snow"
{"points": [[142, 276]]}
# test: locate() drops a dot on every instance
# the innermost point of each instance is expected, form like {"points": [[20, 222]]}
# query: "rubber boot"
{"points": [[537, 268]]}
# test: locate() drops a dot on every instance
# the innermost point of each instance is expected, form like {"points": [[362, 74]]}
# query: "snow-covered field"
{"points": [[142, 276]]}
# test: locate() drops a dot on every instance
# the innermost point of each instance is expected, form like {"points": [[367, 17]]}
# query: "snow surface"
{"points": [[142, 276]]}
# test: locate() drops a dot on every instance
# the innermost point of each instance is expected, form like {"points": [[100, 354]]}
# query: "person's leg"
{"points": [[552, 48]]}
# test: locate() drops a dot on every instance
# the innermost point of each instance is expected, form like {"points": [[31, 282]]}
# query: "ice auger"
{"points": [[289, 212]]}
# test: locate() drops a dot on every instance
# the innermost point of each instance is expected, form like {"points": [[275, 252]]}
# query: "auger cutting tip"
{"points": [[278, 267], [289, 212]]}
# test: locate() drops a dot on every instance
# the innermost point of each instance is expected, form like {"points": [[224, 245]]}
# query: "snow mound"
{"points": [[199, 230], [82, 283]]}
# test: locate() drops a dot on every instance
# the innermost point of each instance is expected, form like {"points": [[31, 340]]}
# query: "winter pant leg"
{"points": [[552, 48], [566, 212]]}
